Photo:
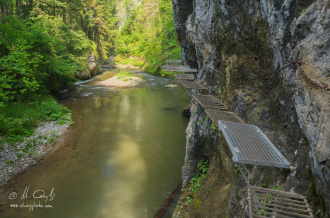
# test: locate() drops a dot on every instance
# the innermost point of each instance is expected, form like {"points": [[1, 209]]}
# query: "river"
{"points": [[122, 157]]}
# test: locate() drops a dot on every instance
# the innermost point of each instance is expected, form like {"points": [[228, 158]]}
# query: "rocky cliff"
{"points": [[95, 66], [240, 49]]}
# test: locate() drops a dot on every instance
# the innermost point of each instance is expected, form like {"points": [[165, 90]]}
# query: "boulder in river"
{"points": [[90, 71], [84, 75], [92, 67]]}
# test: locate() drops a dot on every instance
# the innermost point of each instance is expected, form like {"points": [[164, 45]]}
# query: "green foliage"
{"points": [[33, 62], [219, 90], [202, 169], [213, 127], [238, 168], [267, 200], [263, 184], [18, 120], [123, 74], [51, 140], [303, 11], [317, 200], [148, 35], [317, 213], [189, 200], [202, 121], [44, 43], [133, 61], [278, 188], [10, 162]]}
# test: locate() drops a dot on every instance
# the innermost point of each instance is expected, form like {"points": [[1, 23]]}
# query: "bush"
{"points": [[148, 37], [37, 58], [18, 120]]}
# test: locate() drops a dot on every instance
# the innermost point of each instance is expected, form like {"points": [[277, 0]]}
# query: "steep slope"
{"points": [[291, 105]]}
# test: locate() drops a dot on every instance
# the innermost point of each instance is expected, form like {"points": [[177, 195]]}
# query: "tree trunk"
{"points": [[18, 7]]}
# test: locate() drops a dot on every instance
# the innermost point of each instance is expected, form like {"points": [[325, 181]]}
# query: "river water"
{"points": [[121, 158]]}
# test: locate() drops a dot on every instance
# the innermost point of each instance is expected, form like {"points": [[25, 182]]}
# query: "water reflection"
{"points": [[128, 182], [122, 158]]}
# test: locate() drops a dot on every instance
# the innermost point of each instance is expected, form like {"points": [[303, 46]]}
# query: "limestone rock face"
{"points": [[218, 37], [108, 64], [92, 69], [84, 75]]}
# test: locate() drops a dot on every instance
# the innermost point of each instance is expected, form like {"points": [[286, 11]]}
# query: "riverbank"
{"points": [[119, 144], [122, 80], [17, 158]]}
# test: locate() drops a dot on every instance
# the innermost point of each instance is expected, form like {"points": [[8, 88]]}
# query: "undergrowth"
{"points": [[123, 75], [19, 119], [202, 168]]}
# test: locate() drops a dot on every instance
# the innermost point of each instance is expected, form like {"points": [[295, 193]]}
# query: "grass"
{"points": [[303, 11], [19, 119], [202, 168], [123, 75], [153, 67], [133, 61]]}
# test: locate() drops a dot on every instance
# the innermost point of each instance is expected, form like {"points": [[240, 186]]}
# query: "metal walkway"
{"points": [[191, 84], [216, 115], [272, 203], [249, 145], [209, 101], [185, 76], [176, 66], [174, 61], [180, 68]]}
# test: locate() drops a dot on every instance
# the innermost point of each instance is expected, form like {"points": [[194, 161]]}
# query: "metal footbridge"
{"points": [[249, 145]]}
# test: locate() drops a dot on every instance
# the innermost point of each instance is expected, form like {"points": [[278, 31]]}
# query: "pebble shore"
{"points": [[14, 161], [122, 83]]}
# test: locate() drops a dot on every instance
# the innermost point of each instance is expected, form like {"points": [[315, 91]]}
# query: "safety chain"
{"points": [[295, 62]]}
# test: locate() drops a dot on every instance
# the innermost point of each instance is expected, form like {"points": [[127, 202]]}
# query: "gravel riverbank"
{"points": [[17, 158], [122, 83]]}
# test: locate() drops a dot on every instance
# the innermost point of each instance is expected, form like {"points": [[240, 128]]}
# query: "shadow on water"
{"points": [[121, 158]]}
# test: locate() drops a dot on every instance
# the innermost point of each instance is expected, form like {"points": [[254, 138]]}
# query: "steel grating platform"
{"points": [[209, 101], [176, 66], [249, 145], [185, 76], [272, 203], [181, 68], [174, 61], [191, 84], [216, 115]]}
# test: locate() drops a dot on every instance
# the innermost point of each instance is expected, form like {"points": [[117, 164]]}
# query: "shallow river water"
{"points": [[122, 157]]}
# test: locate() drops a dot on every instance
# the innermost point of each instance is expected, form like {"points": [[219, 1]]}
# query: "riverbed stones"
{"points": [[122, 83], [14, 162]]}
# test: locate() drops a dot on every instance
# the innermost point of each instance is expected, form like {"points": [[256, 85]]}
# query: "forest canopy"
{"points": [[147, 37], [44, 44]]}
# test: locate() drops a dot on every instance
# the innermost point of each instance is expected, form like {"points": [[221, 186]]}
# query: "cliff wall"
{"points": [[291, 106]]}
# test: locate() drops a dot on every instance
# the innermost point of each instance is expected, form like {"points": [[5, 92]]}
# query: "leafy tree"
{"points": [[148, 33], [32, 61]]}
